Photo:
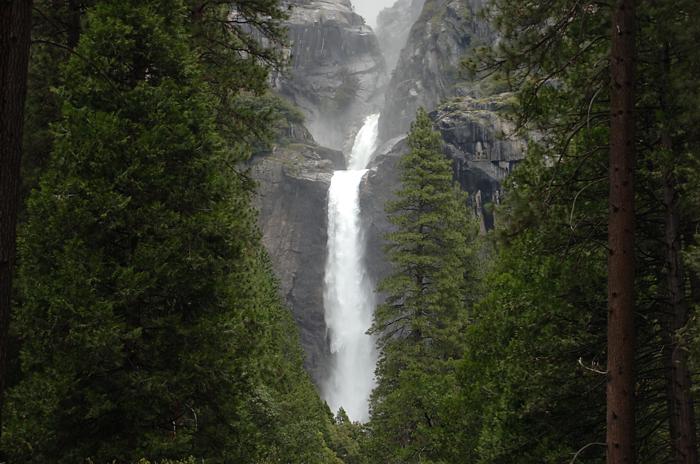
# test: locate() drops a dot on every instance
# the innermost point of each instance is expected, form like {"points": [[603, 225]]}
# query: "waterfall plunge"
{"points": [[348, 295]]}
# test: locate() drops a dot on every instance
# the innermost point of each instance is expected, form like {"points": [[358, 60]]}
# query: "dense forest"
{"points": [[143, 320]]}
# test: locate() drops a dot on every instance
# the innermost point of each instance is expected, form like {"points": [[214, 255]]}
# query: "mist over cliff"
{"points": [[335, 67], [340, 71]]}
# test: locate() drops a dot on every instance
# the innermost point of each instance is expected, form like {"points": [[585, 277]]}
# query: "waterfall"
{"points": [[348, 295]]}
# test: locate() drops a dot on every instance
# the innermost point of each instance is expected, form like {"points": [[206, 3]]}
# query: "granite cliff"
{"points": [[336, 68], [338, 76], [393, 26], [477, 139], [293, 181], [427, 71]]}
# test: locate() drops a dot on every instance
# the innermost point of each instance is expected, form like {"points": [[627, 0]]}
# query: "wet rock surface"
{"points": [[428, 68], [292, 194], [393, 26], [336, 68], [479, 141]]}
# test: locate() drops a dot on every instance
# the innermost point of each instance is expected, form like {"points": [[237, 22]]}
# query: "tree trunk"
{"points": [[680, 402], [15, 29], [681, 413], [621, 331], [74, 30]]}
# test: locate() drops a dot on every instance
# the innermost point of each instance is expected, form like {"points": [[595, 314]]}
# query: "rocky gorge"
{"points": [[340, 71]]}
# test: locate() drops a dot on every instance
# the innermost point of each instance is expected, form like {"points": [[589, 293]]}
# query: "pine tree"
{"points": [[15, 33], [621, 264], [557, 57], [150, 323], [420, 324]]}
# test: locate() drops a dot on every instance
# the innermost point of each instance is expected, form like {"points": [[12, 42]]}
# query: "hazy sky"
{"points": [[369, 9]]}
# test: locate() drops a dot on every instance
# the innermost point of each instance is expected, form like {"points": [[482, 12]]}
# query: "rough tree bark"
{"points": [[680, 401], [15, 30], [621, 331], [681, 412]]}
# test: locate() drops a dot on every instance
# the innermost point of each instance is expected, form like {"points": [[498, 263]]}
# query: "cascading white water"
{"points": [[348, 296]]}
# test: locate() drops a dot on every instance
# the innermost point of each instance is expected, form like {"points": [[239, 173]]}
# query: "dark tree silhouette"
{"points": [[15, 31], [621, 332]]}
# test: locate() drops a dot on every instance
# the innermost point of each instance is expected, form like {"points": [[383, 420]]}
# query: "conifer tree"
{"points": [[420, 324], [621, 235], [15, 33], [557, 56], [150, 323]]}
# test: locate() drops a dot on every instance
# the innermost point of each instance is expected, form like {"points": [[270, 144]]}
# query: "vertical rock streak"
{"points": [[348, 295]]}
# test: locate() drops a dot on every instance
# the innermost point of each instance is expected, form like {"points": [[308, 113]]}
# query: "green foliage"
{"points": [[348, 439], [189, 460], [536, 348], [271, 119], [55, 31], [420, 325], [150, 324], [236, 51], [541, 321]]}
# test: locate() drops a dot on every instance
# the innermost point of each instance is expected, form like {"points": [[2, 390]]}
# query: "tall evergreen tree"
{"points": [[557, 57], [150, 324], [15, 33], [421, 322], [621, 235]]}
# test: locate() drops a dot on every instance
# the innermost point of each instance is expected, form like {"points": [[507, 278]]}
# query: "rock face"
{"points": [[292, 194], [393, 26], [428, 66], [380, 184], [336, 80], [480, 144], [477, 140], [336, 67]]}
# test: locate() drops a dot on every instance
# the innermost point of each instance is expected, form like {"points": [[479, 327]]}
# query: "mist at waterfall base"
{"points": [[348, 294]]}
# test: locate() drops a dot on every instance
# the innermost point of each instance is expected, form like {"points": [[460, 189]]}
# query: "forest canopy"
{"points": [[144, 320]]}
